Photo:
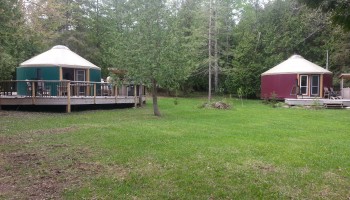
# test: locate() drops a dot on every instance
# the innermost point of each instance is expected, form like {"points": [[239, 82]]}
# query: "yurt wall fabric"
{"points": [[38, 73]]}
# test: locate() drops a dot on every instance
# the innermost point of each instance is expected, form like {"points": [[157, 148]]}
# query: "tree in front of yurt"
{"points": [[150, 46]]}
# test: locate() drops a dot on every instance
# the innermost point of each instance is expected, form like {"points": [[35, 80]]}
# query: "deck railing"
{"points": [[53, 88]]}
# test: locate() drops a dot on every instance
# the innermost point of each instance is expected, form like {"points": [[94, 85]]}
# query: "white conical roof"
{"points": [[59, 56], [296, 64]]}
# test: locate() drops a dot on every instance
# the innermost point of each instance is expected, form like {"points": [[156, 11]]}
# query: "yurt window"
{"points": [[80, 75], [303, 84], [68, 74], [315, 85]]}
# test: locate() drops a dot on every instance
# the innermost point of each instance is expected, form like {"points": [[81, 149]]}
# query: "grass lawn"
{"points": [[249, 152]]}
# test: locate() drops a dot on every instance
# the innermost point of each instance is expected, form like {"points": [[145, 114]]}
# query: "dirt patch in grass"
{"points": [[46, 171], [26, 137], [55, 130], [24, 177], [21, 114], [304, 171], [260, 166], [9, 140]]}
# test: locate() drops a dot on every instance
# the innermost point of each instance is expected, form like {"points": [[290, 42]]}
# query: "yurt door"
{"points": [[80, 87], [315, 85]]}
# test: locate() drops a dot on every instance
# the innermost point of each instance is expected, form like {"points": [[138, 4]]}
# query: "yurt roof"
{"points": [[60, 56], [296, 64]]}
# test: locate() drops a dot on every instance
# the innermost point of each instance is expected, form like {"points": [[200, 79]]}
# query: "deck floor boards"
{"points": [[325, 102]]}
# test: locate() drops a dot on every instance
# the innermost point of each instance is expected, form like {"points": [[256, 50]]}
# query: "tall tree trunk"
{"points": [[98, 41], [155, 98], [209, 49], [67, 15], [216, 65]]}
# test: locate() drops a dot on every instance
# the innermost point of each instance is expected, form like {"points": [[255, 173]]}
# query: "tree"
{"points": [[16, 39], [339, 10], [151, 46]]}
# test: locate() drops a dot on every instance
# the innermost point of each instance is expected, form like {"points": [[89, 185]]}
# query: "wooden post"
{"points": [[61, 74], [321, 86], [94, 93], [342, 86], [68, 97], [116, 93], [135, 96], [87, 82], [140, 95], [33, 92]]}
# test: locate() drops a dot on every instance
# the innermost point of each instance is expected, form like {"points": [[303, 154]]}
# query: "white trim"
{"points": [[307, 84]]}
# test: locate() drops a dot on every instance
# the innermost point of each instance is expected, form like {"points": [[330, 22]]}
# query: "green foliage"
{"points": [[16, 39], [240, 94], [339, 10], [153, 47], [7, 64]]}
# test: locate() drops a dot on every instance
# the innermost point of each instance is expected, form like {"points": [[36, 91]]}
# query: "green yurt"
{"points": [[58, 63]]}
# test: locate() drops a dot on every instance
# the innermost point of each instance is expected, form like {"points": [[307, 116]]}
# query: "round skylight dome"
{"points": [[60, 47], [295, 56]]}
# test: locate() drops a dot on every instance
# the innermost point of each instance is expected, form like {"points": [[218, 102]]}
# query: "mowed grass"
{"points": [[249, 152]]}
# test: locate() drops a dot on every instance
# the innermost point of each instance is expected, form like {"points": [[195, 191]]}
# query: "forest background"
{"points": [[176, 44]]}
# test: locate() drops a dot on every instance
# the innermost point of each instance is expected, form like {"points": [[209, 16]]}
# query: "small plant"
{"points": [[240, 94], [203, 105], [221, 91], [265, 99], [176, 101], [273, 99], [281, 105], [316, 104]]}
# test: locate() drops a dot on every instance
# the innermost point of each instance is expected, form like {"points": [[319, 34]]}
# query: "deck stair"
{"points": [[333, 104]]}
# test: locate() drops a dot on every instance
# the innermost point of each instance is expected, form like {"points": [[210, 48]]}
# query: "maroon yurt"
{"points": [[293, 78]]}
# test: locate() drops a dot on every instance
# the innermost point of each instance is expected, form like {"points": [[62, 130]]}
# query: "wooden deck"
{"points": [[63, 93], [74, 100], [328, 103]]}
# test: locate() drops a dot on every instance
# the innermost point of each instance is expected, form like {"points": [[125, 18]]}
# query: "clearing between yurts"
{"points": [[252, 151]]}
